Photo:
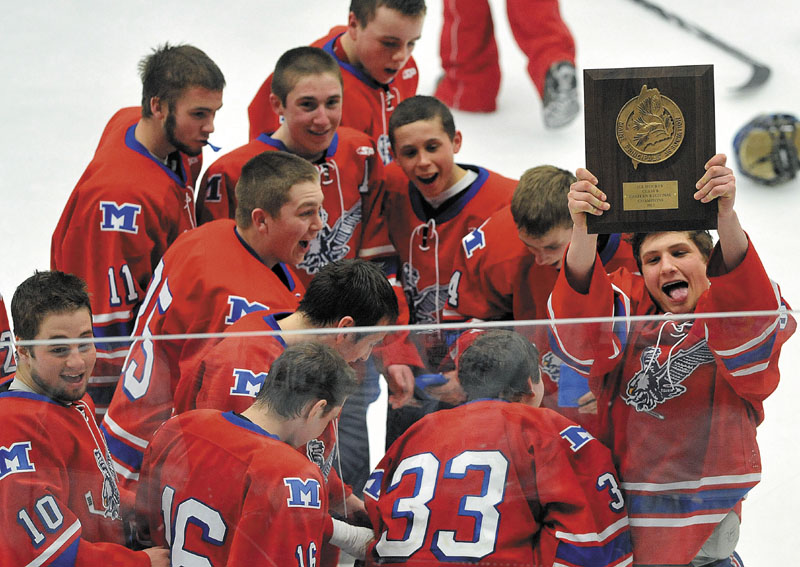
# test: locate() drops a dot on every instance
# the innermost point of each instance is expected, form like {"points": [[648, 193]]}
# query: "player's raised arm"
{"points": [[584, 198], [718, 182]]}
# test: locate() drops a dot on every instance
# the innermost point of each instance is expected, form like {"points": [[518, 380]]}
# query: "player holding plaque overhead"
{"points": [[684, 397]]}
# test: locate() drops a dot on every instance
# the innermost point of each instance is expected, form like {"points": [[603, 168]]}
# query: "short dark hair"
{"points": [[170, 69], [364, 10], [701, 238], [540, 201], [298, 63], [265, 183], [354, 288], [42, 294], [303, 374], [498, 364], [421, 107]]}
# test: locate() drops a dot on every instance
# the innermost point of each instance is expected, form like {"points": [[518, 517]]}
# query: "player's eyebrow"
{"points": [[308, 203], [396, 38], [61, 336], [205, 108]]}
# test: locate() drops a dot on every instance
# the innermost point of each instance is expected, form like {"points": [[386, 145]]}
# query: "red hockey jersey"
{"points": [[7, 363], [684, 396], [61, 504], [351, 176], [427, 245], [206, 281], [126, 209], [495, 277], [366, 105], [218, 489], [497, 483]]}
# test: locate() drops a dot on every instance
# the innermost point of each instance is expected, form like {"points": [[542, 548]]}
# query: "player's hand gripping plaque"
{"points": [[649, 132]]}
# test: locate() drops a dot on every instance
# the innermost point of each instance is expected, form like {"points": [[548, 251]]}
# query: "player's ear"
{"points": [[353, 25], [346, 321], [534, 396], [158, 107], [276, 104], [22, 351], [317, 409], [259, 219], [457, 141]]}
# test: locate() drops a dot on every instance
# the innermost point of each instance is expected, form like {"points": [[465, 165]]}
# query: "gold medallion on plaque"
{"points": [[650, 127]]}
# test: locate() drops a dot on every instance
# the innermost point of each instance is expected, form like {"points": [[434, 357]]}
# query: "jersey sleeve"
{"points": [[584, 520], [283, 520], [233, 372], [143, 398], [593, 349], [113, 247], [747, 347], [480, 287]]}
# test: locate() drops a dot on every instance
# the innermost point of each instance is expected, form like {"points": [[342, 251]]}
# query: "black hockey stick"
{"points": [[760, 72]]}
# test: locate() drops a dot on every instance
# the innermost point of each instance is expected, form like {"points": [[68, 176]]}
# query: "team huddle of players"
{"points": [[602, 445]]}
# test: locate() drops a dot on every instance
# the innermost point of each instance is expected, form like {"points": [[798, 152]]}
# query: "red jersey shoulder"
{"points": [[231, 373], [216, 197]]}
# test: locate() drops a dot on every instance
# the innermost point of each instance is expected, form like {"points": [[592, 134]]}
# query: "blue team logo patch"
{"points": [[577, 437], [372, 487], [15, 459], [302, 493], [247, 383], [119, 218], [213, 193], [475, 240], [240, 307]]}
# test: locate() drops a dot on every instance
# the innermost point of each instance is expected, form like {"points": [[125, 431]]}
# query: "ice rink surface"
{"points": [[68, 66]]}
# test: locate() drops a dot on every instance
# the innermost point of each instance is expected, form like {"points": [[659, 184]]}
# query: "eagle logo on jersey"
{"points": [[110, 493], [551, 366], [656, 383], [331, 242], [424, 304]]}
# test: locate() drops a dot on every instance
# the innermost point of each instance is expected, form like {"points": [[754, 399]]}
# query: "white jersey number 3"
{"points": [[482, 508]]}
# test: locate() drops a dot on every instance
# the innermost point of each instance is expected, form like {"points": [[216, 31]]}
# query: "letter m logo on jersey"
{"points": [[239, 307], [246, 382], [302, 493], [473, 241], [15, 459], [119, 218]]}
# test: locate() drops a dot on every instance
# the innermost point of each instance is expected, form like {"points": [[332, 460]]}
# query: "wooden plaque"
{"points": [[649, 132]]}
